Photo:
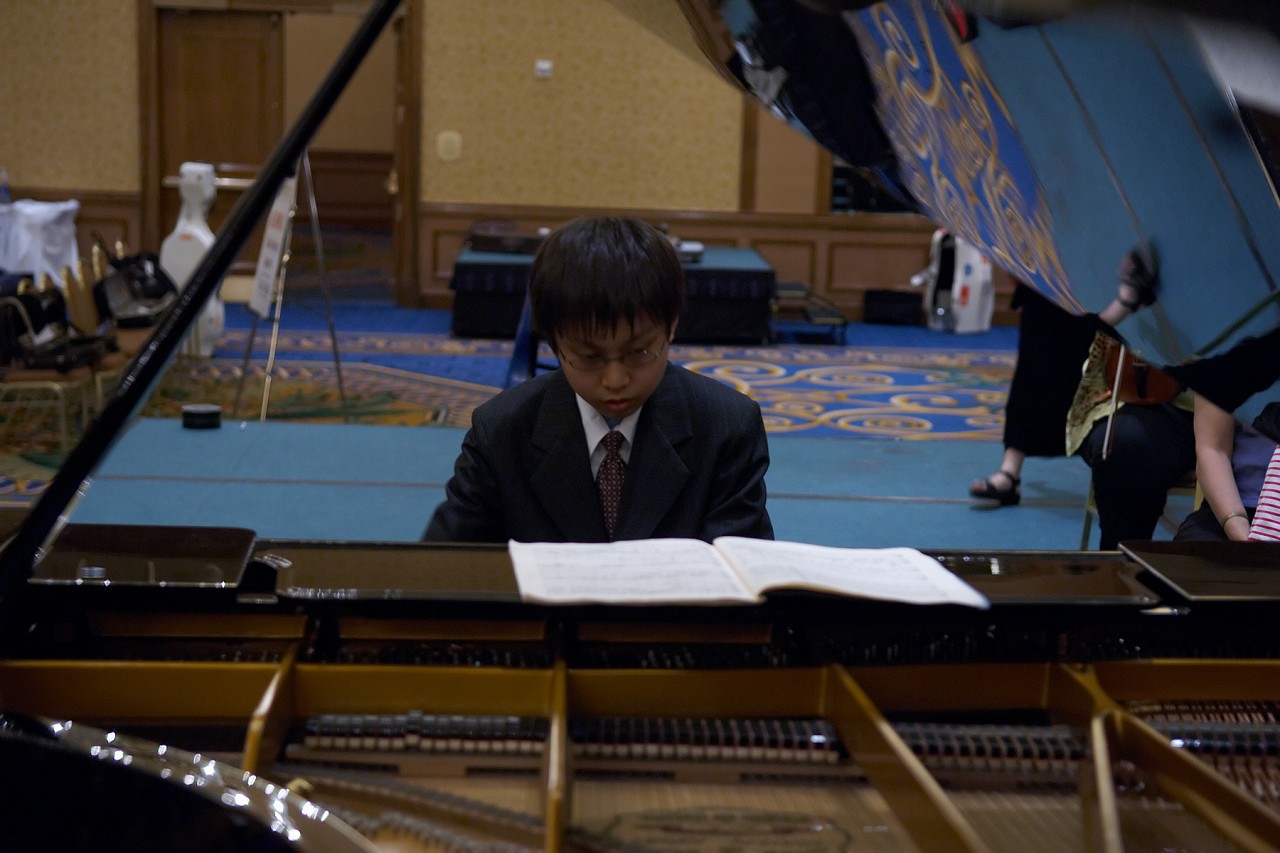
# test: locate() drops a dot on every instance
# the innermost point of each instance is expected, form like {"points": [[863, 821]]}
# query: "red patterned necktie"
{"points": [[609, 480], [1266, 519]]}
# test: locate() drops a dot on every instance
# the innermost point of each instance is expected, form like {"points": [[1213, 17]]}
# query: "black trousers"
{"points": [[1202, 525], [1052, 344], [1153, 449]]}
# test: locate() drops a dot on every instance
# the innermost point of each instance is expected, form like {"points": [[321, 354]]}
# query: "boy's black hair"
{"points": [[593, 272]]}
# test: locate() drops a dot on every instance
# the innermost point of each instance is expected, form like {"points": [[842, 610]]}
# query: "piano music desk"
{"points": [[352, 482]]}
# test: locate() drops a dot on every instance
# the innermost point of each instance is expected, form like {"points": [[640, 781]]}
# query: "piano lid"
{"points": [[1213, 571], [1057, 141], [50, 512]]}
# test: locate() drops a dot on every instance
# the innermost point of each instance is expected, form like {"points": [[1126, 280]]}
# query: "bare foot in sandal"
{"points": [[1002, 487]]}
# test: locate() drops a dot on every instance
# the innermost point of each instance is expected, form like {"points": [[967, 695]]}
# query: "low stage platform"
{"points": [[730, 296]]}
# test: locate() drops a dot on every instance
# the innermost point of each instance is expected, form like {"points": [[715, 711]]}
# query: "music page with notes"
{"points": [[733, 569]]}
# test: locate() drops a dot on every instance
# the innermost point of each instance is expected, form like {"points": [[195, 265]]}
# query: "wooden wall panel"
{"points": [[445, 246], [717, 241], [351, 189], [792, 260], [838, 256], [880, 264]]}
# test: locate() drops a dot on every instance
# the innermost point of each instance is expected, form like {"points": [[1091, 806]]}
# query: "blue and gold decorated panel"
{"points": [[958, 149], [1055, 146]]}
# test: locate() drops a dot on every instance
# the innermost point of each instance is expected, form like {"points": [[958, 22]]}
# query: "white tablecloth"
{"points": [[39, 236]]}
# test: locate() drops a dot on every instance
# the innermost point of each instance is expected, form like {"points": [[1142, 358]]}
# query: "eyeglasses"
{"points": [[633, 360]]}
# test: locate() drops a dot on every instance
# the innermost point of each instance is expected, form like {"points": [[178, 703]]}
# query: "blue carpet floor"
{"points": [[883, 382]]}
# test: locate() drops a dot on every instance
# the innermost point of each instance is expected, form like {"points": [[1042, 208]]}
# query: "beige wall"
{"points": [[790, 170], [69, 94], [627, 119], [362, 119]]}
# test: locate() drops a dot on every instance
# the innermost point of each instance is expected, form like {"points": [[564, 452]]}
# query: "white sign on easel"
{"points": [[268, 282], [273, 240]]}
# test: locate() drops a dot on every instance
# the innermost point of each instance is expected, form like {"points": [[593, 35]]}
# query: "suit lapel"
{"points": [[656, 474], [559, 473]]}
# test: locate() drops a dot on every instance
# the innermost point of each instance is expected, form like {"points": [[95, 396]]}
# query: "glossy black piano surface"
{"points": [[368, 668]]}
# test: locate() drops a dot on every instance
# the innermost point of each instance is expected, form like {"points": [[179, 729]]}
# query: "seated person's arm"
{"points": [[738, 506], [469, 512], [1215, 439]]}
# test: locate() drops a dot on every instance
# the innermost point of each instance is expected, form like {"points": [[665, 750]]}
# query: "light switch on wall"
{"points": [[542, 68], [449, 145]]}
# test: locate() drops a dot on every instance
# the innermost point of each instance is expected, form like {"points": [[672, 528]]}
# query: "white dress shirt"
{"points": [[596, 428]]}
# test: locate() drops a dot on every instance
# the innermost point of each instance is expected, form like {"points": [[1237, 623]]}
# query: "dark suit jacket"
{"points": [[696, 470]]}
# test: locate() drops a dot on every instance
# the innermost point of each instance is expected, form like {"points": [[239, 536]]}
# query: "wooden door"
{"points": [[220, 88]]}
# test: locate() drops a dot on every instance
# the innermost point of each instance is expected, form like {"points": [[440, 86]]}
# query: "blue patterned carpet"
{"points": [[404, 368], [879, 392]]}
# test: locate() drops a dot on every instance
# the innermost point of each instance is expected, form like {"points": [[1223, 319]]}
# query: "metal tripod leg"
{"points": [[278, 305]]}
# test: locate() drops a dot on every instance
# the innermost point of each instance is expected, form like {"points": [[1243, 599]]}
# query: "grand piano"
{"points": [[205, 689]]}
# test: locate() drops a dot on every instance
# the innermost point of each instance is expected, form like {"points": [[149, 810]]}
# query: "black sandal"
{"points": [[1004, 497]]}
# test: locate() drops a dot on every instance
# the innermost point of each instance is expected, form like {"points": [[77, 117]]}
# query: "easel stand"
{"points": [[268, 290]]}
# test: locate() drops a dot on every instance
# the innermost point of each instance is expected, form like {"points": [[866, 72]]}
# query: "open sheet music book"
{"points": [[732, 569]]}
